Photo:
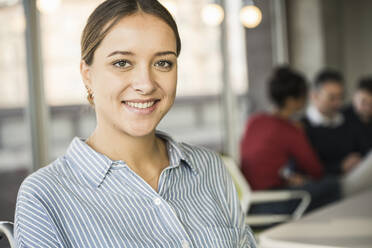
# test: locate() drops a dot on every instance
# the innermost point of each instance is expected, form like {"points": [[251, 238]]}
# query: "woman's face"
{"points": [[133, 76]]}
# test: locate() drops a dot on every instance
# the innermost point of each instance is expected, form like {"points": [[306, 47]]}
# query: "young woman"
{"points": [[129, 185]]}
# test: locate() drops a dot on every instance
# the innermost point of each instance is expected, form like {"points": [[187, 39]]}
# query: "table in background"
{"points": [[346, 224]]}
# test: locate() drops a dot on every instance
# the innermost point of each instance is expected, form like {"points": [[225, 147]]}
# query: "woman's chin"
{"points": [[139, 131]]}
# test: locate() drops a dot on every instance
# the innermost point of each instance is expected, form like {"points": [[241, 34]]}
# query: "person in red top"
{"points": [[270, 143], [275, 152]]}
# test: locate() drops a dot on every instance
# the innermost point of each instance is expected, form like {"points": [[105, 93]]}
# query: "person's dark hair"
{"points": [[365, 84], [285, 83], [327, 75], [110, 12]]}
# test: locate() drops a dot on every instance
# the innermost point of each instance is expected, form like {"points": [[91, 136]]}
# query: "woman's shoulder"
{"points": [[192, 153], [201, 158], [44, 179], [199, 152], [262, 118]]}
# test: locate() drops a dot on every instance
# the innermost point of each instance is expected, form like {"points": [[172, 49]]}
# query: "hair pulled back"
{"points": [[285, 83], [110, 12]]}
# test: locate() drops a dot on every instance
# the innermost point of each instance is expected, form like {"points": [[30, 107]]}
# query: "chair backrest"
{"points": [[6, 229], [241, 184]]}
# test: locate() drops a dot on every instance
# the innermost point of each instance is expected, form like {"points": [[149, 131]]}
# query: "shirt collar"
{"points": [[176, 152], [96, 165], [318, 119], [93, 165]]}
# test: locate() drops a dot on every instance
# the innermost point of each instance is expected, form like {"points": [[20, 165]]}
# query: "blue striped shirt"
{"points": [[85, 199]]}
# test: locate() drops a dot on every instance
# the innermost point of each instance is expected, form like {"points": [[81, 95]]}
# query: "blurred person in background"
{"points": [[326, 127], [275, 152], [127, 184], [358, 115], [334, 137]]}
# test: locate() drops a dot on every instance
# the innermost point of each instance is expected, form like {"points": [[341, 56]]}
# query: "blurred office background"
{"points": [[223, 69]]}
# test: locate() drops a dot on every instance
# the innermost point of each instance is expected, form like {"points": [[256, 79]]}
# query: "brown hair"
{"points": [[110, 12]]}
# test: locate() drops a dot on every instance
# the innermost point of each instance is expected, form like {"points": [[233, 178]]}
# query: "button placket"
{"points": [[184, 239], [185, 244], [157, 201]]}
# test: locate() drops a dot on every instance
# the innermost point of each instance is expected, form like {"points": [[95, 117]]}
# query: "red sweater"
{"points": [[268, 144]]}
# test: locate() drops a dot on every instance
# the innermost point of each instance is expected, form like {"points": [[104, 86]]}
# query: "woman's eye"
{"points": [[164, 64], [122, 63]]}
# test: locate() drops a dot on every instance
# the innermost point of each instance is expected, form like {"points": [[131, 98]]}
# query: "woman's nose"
{"points": [[144, 82]]}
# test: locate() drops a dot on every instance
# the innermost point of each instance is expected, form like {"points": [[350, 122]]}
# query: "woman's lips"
{"points": [[141, 107]]}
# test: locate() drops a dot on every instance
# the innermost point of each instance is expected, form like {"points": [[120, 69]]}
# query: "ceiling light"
{"points": [[48, 6], [212, 14], [250, 16]]}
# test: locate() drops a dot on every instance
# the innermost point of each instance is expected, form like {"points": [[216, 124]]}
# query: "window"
{"points": [[15, 152]]}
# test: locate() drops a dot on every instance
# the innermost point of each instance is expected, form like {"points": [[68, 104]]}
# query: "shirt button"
{"points": [[185, 244], [157, 201]]}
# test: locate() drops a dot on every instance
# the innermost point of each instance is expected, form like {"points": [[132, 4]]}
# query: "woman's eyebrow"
{"points": [[165, 53], [121, 53], [131, 53]]}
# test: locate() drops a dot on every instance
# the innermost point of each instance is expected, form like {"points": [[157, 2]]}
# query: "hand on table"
{"points": [[350, 162], [296, 180]]}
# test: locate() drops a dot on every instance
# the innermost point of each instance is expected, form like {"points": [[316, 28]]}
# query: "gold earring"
{"points": [[90, 96]]}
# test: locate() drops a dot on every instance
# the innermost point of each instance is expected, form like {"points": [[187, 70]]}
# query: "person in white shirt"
{"points": [[332, 137]]}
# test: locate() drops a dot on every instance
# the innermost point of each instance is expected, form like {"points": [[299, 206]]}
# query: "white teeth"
{"points": [[140, 105]]}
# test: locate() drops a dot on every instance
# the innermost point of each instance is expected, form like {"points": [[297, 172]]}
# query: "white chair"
{"points": [[248, 197], [6, 230]]}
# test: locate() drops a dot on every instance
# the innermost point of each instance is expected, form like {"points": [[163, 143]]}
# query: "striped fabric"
{"points": [[84, 199]]}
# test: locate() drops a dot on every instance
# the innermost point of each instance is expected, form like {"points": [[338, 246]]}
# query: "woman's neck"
{"points": [[283, 113], [147, 155], [136, 152]]}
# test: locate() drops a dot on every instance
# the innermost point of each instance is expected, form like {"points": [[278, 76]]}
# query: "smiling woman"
{"points": [[138, 57], [129, 185]]}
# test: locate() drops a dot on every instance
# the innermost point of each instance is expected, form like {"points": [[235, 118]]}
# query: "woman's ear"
{"points": [[85, 74]]}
